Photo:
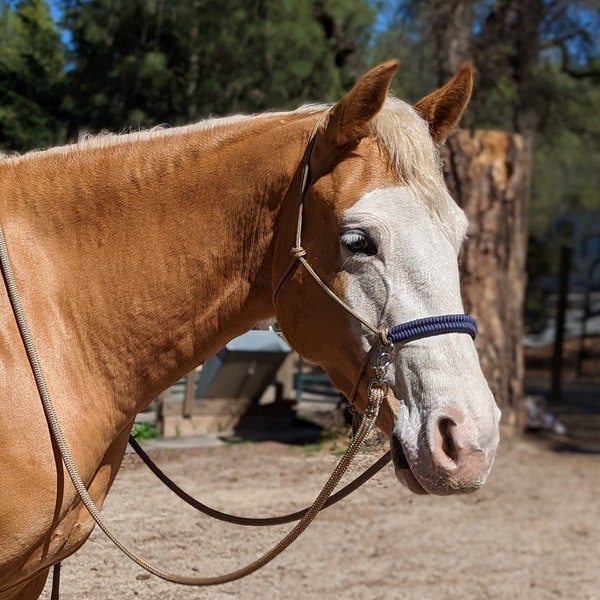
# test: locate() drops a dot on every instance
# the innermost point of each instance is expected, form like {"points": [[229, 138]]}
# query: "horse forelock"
{"points": [[405, 135], [414, 156]]}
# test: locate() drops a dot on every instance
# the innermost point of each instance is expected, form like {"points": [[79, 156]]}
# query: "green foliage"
{"points": [[417, 75], [142, 62], [144, 431], [566, 176], [32, 62]]}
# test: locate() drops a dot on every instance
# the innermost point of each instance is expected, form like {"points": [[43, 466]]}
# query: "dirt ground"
{"points": [[532, 532]]}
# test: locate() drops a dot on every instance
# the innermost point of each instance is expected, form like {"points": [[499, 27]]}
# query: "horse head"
{"points": [[378, 230]]}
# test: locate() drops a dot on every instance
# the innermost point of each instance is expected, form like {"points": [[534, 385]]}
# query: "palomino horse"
{"points": [[138, 256]]}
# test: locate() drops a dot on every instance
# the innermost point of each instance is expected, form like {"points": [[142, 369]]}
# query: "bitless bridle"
{"points": [[376, 391]]}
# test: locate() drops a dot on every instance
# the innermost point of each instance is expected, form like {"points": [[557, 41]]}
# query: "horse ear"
{"points": [[349, 118], [443, 108]]}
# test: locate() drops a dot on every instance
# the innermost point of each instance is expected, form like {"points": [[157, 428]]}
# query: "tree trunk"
{"points": [[452, 29], [487, 173], [193, 73]]}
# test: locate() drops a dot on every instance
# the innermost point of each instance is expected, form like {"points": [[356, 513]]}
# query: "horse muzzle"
{"points": [[456, 457]]}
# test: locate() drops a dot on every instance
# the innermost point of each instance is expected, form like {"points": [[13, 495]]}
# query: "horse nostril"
{"points": [[457, 453], [445, 428]]}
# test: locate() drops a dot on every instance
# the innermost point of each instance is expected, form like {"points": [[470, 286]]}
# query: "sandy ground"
{"points": [[532, 532]]}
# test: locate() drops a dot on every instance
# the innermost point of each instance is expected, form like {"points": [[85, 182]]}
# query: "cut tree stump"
{"points": [[487, 172]]}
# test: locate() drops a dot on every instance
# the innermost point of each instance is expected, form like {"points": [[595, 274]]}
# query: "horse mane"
{"points": [[108, 139], [398, 128]]}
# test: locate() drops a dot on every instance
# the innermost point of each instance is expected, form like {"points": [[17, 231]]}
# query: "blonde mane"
{"points": [[218, 126], [397, 127]]}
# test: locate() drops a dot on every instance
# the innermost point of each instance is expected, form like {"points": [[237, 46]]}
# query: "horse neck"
{"points": [[160, 247]]}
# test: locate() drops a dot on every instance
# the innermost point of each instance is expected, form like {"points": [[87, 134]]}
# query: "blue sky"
{"points": [[54, 9], [56, 15]]}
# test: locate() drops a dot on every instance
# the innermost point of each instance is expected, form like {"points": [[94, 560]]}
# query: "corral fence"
{"points": [[256, 380]]}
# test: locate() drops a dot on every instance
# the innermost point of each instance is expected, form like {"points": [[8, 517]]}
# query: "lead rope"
{"points": [[251, 521], [376, 394], [380, 368]]}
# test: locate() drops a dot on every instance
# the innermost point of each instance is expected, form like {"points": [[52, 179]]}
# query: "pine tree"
{"points": [[143, 62], [32, 62]]}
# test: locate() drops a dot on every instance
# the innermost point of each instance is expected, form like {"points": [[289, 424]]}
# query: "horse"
{"points": [[139, 255]]}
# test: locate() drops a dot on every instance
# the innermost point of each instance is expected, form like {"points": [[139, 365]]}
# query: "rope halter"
{"points": [[403, 333]]}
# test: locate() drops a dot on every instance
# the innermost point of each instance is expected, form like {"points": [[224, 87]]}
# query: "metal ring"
{"points": [[384, 360]]}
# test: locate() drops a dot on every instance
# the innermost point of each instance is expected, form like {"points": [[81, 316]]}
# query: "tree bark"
{"points": [[452, 29], [487, 175]]}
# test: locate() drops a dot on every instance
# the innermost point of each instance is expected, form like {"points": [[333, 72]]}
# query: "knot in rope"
{"points": [[384, 334], [298, 251]]}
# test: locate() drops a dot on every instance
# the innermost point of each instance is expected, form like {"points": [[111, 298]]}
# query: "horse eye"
{"points": [[358, 242]]}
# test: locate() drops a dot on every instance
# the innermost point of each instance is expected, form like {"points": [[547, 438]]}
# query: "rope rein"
{"points": [[251, 521], [384, 361]]}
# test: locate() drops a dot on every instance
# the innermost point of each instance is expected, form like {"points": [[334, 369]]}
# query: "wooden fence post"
{"points": [[561, 311]]}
